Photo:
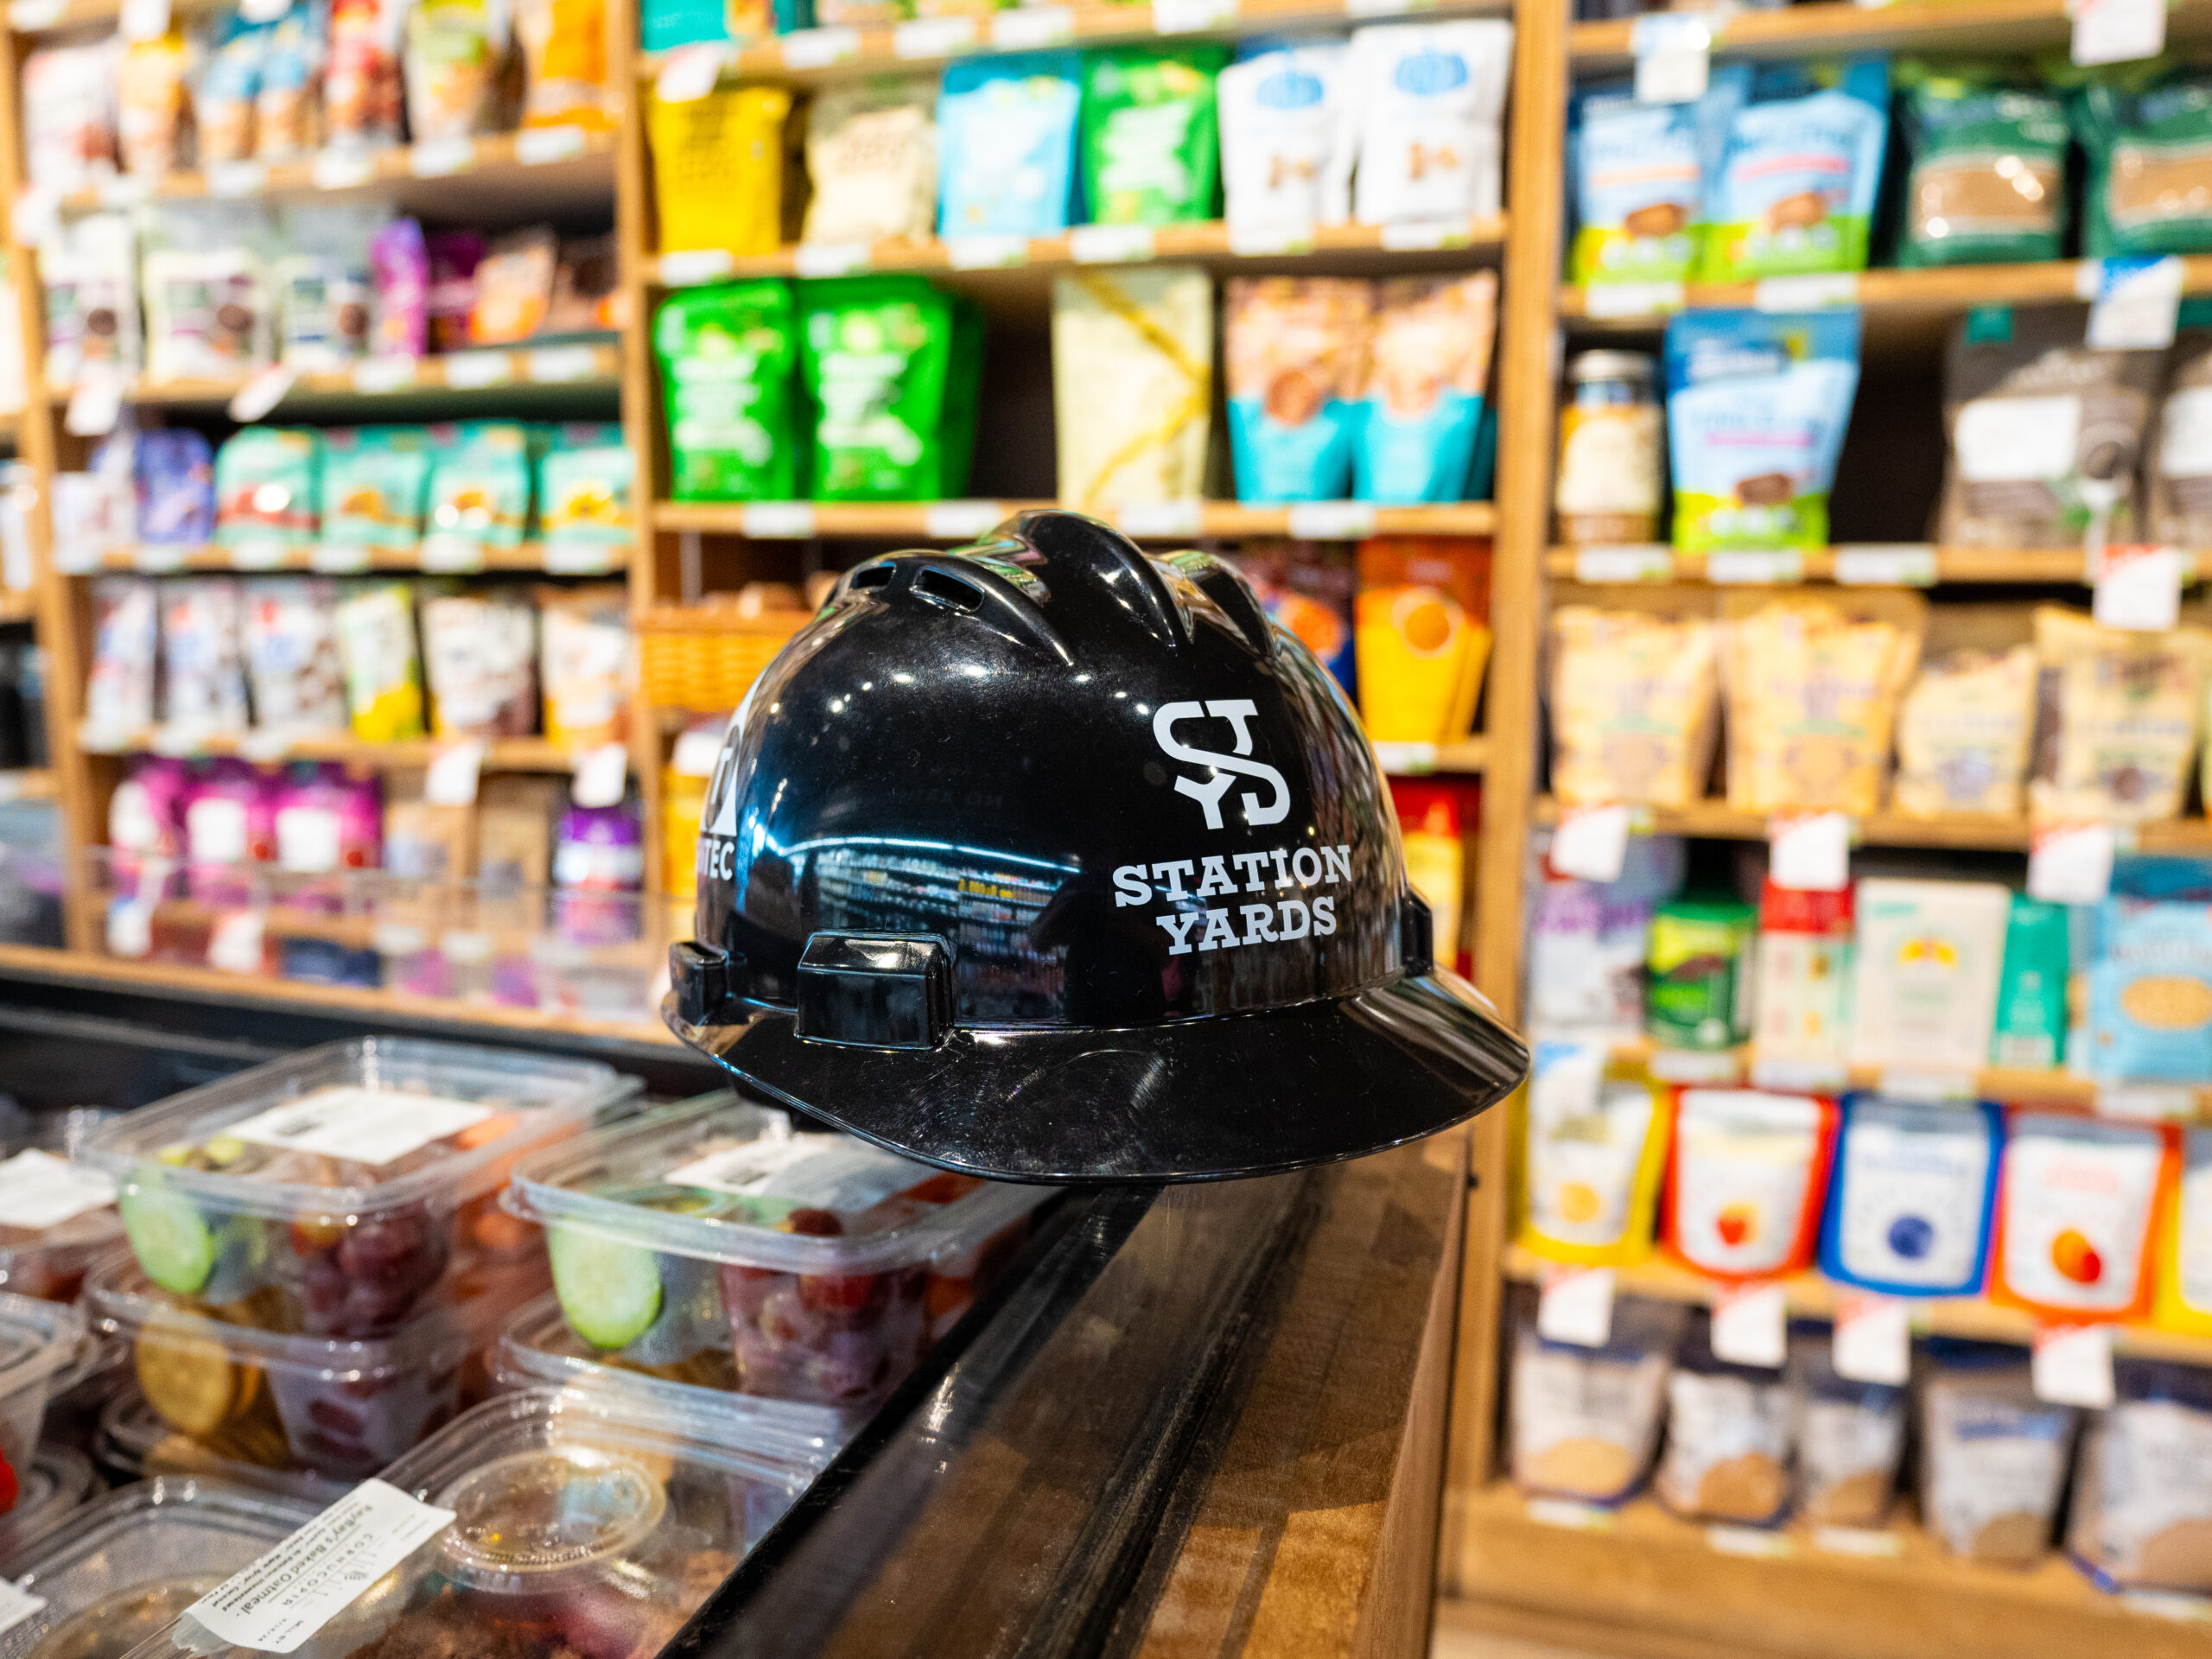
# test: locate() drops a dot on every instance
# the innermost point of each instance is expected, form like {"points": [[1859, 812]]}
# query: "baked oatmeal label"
{"points": [[362, 1126]]}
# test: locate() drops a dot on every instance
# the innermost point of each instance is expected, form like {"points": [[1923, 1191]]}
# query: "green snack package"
{"points": [[727, 355], [1698, 989], [2032, 995], [374, 480], [265, 487], [1150, 144], [894, 366], [1987, 180], [2146, 128], [479, 491]]}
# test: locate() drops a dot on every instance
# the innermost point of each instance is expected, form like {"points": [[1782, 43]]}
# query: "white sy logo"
{"points": [[1227, 767]]}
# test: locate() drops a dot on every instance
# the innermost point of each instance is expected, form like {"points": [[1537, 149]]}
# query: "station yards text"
{"points": [[1182, 880]]}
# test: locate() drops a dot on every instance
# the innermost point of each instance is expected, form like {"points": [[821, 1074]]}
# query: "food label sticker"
{"points": [[470, 370], [441, 156], [1903, 566], [341, 169], [1161, 518], [268, 388], [1576, 1305], [260, 554], [1749, 1322], [1857, 1541], [1809, 851], [1692, 1066], [2138, 587], [556, 364], [1331, 521], [156, 558], [1799, 1076], [601, 775], [359, 1126], [1815, 292], [2147, 1103], [774, 521], [1872, 1341], [1928, 1088], [817, 49], [690, 72], [2071, 1365], [234, 179], [1106, 245], [1674, 56], [578, 559], [1192, 16], [933, 37], [986, 252], [1566, 1512], [1406, 759], [692, 266], [1630, 299], [382, 374], [443, 553], [1591, 842], [16, 1605], [820, 1171], [831, 258], [38, 1191], [76, 558], [2117, 31], [1249, 241], [1755, 1541], [95, 403], [2137, 302], [1602, 564], [265, 745], [144, 20], [291, 1592], [450, 779], [1422, 235], [234, 942], [2070, 863], [336, 558], [1755, 568], [535, 146], [960, 521], [2168, 1603], [1026, 28]]}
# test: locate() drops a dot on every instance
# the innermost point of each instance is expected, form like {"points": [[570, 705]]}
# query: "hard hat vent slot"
{"points": [[870, 575], [948, 589]]}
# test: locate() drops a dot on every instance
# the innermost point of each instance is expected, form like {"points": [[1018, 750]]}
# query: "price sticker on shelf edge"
{"points": [[1674, 55], [452, 776], [2117, 31], [1762, 567], [234, 942], [2070, 862], [472, 371], [778, 521], [1616, 564], [1591, 842], [1330, 521], [28, 17], [2071, 1365], [1749, 1322], [1631, 299], [1813, 292], [2138, 588], [263, 392], [986, 252], [1576, 1305], [933, 37], [960, 521], [337, 558], [1192, 16], [2135, 304], [144, 20], [689, 267], [1030, 29], [817, 49], [376, 375], [35, 219], [95, 403], [826, 259], [1106, 245], [601, 775], [536, 146], [1905, 565], [1809, 851], [1873, 1339], [341, 169]]}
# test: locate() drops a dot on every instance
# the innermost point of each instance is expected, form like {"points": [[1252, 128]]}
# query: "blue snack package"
{"points": [[2151, 991], [1007, 145], [1911, 1192], [1640, 175], [1796, 187], [1296, 347], [1427, 369], [174, 471]]}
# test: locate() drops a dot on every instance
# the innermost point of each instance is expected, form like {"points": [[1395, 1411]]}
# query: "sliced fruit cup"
{"points": [[42, 1344]]}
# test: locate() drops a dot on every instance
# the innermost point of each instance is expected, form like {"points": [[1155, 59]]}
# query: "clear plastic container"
{"points": [[56, 1219], [579, 1529], [711, 1243], [42, 1345], [121, 1570], [329, 1190], [61, 1478], [139, 1440], [342, 1408], [1585, 1420]]}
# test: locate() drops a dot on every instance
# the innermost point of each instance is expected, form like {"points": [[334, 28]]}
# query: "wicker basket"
{"points": [[703, 658]]}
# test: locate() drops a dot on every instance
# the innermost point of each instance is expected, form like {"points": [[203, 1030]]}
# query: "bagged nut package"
{"points": [[1992, 1457], [2143, 1497], [1795, 185], [1131, 385], [1635, 702], [1584, 1420], [2118, 714], [1640, 171], [1964, 727], [1850, 1440], [1297, 350], [2146, 130], [1728, 1436], [1988, 184]]}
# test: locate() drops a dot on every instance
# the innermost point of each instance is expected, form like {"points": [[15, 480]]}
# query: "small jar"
{"points": [[1608, 488]]}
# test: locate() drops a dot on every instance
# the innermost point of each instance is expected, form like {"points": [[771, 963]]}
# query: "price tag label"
{"points": [[1872, 1341], [2138, 587], [1249, 241], [1756, 1543], [263, 555], [1591, 842], [448, 555], [1192, 16], [342, 169], [1756, 567], [1810, 293], [1749, 1326], [95, 403], [144, 20], [472, 371], [235, 179], [1576, 1305], [378, 375], [2147, 1103], [1330, 521], [339, 558], [1796, 1076], [1566, 1512], [2070, 862], [1602, 564], [1425, 235], [1631, 299], [156, 558], [1858, 1540], [399, 939], [960, 521], [778, 521], [2071, 1365], [831, 258], [263, 392], [2137, 302], [29, 16], [1160, 520], [452, 776], [986, 252], [692, 266], [1674, 56], [1028, 28], [123, 189], [441, 157], [1809, 851], [557, 364], [264, 746], [76, 558], [578, 559], [817, 49], [234, 942], [535, 146], [933, 37], [1903, 566], [1106, 245], [1406, 759], [263, 11], [2117, 31], [1929, 1088], [35, 219], [601, 775]]}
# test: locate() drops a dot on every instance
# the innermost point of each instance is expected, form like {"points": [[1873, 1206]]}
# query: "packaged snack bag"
{"points": [[374, 480], [718, 169], [727, 357], [1588, 940], [2151, 991], [1992, 1457], [1962, 734], [1698, 984], [324, 822], [327, 287], [1729, 1439], [1924, 991], [69, 114], [2143, 1497], [90, 275], [230, 83], [584, 498], [1297, 350], [1427, 366], [1421, 638], [2178, 479], [1850, 1438], [265, 486], [399, 255], [1796, 187], [1988, 184], [453, 51], [230, 819], [1006, 144], [451, 299], [480, 655], [126, 632], [1288, 133], [1432, 820], [1743, 1189], [892, 365], [1813, 687], [1640, 173], [2145, 129], [361, 91], [203, 676], [291, 655], [1309, 588], [2032, 1014], [286, 104], [514, 286], [2046, 432], [209, 311], [1908, 1211], [2075, 1203], [1757, 404], [2182, 1298], [1430, 98], [1131, 385], [1583, 1422], [384, 669], [564, 63], [1594, 1160], [584, 664], [479, 493], [2118, 714], [153, 98], [1151, 147], [871, 153], [1803, 999], [174, 472], [587, 294], [1635, 704]]}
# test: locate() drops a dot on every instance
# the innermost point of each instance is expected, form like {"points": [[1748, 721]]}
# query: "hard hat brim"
{"points": [[1203, 1099]]}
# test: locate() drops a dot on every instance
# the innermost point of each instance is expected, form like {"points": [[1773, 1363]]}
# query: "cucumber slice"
{"points": [[171, 1238], [611, 1293]]}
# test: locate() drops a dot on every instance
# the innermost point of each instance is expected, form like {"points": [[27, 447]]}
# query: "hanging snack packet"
{"points": [[265, 487], [1430, 98], [203, 674], [2076, 1201], [1583, 1422], [584, 664], [1748, 1171], [454, 54], [1297, 349], [326, 287], [514, 286], [584, 500], [1850, 1441], [288, 102], [1909, 1211], [153, 105], [69, 116], [718, 169], [564, 63], [479, 489], [1962, 734], [91, 299], [291, 654], [384, 671], [728, 357], [399, 257], [230, 83], [1006, 144], [2146, 130], [2118, 717], [871, 153], [361, 92], [1728, 1436], [1588, 941], [1795, 191], [1634, 705], [126, 634], [1594, 1160], [1427, 367], [1288, 135], [2151, 991], [374, 478], [1988, 184], [1639, 178], [1992, 1457], [1422, 638], [1151, 146], [480, 655], [1757, 404], [1131, 385], [2182, 1299], [893, 368], [2142, 1496]]}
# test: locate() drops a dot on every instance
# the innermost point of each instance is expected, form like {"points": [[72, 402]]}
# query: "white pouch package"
{"points": [[1431, 97], [1286, 134]]}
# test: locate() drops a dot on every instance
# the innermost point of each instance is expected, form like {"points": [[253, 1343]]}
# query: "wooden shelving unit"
{"points": [[1901, 564], [530, 557], [1717, 821], [962, 521]]}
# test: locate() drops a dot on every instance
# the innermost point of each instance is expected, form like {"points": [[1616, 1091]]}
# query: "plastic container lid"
{"points": [[138, 1439], [128, 1563], [37, 1340], [379, 1111], [60, 1478]]}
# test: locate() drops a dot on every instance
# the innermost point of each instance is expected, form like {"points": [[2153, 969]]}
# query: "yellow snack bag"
{"points": [[1422, 641], [1595, 1150], [1634, 705], [718, 169], [564, 55]]}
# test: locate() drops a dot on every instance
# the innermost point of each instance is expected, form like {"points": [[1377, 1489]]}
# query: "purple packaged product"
{"points": [[599, 861], [229, 825], [400, 261], [175, 473], [455, 255], [326, 823]]}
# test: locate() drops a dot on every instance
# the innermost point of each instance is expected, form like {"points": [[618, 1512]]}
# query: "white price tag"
{"points": [[817, 49], [265, 745], [556, 364], [689, 267], [933, 37], [1873, 1340], [28, 17], [1750, 1324], [2117, 31], [1576, 1305], [2138, 587], [1192, 16], [1160, 520], [448, 555], [339, 558], [986, 252], [1566, 1512], [237, 178], [778, 521], [1809, 851], [377, 375], [2070, 863], [689, 72], [399, 939], [1674, 56], [35, 219], [38, 1191], [2147, 1103], [1426, 235], [76, 558], [440, 158], [131, 928], [602, 774], [2137, 302], [123, 189], [1604, 565], [1796, 1077], [157, 559], [259, 554], [535, 146], [1630, 299], [1406, 759], [578, 559], [1249, 241], [1106, 245], [342, 169], [144, 20], [1809, 292], [234, 942], [1330, 521], [266, 389], [1929, 1088], [1028, 28], [451, 777], [1903, 566], [472, 371], [831, 258], [1758, 568], [960, 521], [16, 1605], [1858, 1540], [95, 403], [1591, 842], [1756, 1543], [2071, 1365], [263, 11]]}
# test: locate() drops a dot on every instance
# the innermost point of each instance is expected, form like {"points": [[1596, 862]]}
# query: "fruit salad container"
{"points": [[338, 1408], [711, 1243], [43, 1346], [56, 1219], [61, 1479], [577, 1529], [121, 1569], [330, 1191], [138, 1440]]}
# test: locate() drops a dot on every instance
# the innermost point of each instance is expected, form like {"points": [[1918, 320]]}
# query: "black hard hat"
{"points": [[1047, 860]]}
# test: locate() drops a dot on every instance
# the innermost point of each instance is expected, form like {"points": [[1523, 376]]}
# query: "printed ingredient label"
{"points": [[362, 1126]]}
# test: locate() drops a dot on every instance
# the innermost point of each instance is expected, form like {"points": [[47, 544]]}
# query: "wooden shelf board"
{"points": [[156, 561], [1469, 754], [570, 366], [960, 521], [30, 784], [1949, 565], [17, 605], [1717, 821], [505, 754], [393, 936]]}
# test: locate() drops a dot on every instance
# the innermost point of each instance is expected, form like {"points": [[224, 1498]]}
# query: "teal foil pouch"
{"points": [[1795, 188]]}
